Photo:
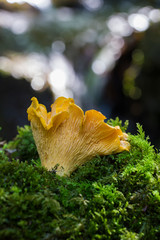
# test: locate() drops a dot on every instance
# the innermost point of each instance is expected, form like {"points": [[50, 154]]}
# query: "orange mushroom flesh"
{"points": [[67, 138]]}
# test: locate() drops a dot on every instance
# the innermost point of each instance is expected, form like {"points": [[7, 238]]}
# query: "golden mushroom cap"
{"points": [[67, 138]]}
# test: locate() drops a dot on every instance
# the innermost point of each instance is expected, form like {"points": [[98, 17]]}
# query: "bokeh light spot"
{"points": [[139, 22], [119, 25], [37, 83], [58, 46], [58, 79], [92, 5], [154, 15], [98, 67]]}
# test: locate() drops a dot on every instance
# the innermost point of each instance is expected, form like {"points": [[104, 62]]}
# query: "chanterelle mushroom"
{"points": [[67, 138]]}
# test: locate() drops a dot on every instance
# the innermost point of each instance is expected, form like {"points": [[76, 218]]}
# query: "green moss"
{"points": [[23, 145], [113, 197]]}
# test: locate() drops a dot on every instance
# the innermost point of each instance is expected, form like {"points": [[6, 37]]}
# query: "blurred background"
{"points": [[103, 53]]}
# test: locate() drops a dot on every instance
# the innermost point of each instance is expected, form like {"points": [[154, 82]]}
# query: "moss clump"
{"points": [[23, 146], [112, 197]]}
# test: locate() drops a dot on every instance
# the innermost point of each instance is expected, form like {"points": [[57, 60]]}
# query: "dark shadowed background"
{"points": [[104, 54]]}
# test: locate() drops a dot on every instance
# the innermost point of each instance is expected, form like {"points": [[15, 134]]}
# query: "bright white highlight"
{"points": [[32, 67], [98, 67], [119, 25], [92, 5], [154, 15], [105, 61], [38, 83], [36, 3], [62, 78], [139, 22], [18, 23], [58, 80]]}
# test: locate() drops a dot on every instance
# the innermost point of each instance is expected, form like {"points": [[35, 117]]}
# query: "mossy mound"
{"points": [[113, 197]]}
